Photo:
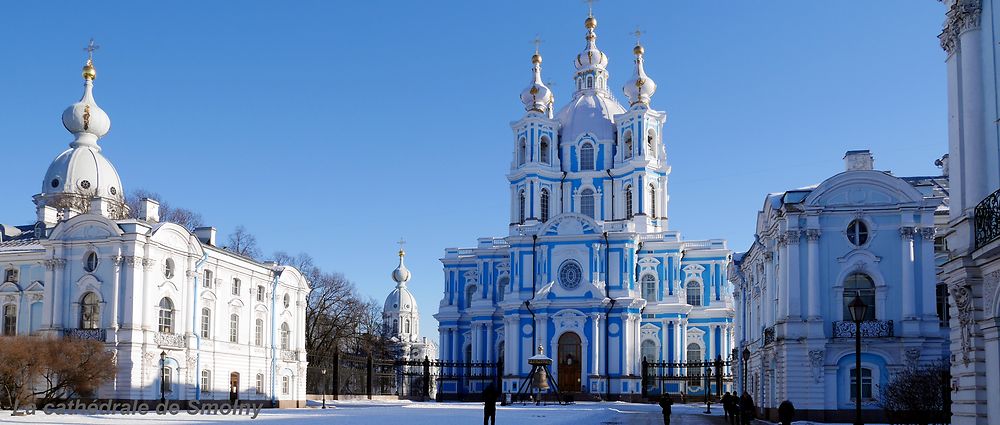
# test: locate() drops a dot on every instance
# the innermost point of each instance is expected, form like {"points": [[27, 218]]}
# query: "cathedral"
{"points": [[590, 273], [184, 318], [402, 319]]}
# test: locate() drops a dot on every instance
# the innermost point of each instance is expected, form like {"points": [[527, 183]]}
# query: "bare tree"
{"points": [[180, 216], [46, 369], [918, 395], [243, 243]]}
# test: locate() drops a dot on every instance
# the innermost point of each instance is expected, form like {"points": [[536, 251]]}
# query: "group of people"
{"points": [[738, 410]]}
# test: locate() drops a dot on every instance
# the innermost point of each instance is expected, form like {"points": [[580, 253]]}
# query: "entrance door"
{"points": [[234, 387], [569, 363]]}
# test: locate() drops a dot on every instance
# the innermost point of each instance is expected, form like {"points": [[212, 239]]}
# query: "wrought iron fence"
{"points": [[869, 329], [709, 377], [91, 334], [987, 220]]}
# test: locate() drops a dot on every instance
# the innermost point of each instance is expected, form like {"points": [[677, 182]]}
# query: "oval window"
{"points": [[168, 268], [91, 262], [857, 232], [55, 183]]}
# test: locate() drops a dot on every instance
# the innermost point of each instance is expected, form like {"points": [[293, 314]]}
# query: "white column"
{"points": [[794, 299], [812, 237], [769, 295], [489, 342], [684, 338], [909, 295], [928, 279], [677, 342], [973, 119], [595, 343], [711, 342], [782, 284]]}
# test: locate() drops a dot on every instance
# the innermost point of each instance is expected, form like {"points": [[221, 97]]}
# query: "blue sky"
{"points": [[335, 128]]}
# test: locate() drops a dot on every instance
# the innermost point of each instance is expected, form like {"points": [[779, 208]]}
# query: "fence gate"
{"points": [[697, 379]]}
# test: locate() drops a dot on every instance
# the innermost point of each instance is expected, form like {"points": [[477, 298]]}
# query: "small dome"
{"points": [[400, 300], [87, 121], [537, 96], [592, 113], [83, 171], [401, 274], [591, 57], [640, 88]]}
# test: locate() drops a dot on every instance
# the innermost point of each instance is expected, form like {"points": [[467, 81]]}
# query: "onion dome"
{"points": [[591, 57], [640, 87], [537, 96], [82, 170], [401, 275]]}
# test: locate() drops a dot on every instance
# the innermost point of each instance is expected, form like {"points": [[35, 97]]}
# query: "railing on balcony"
{"points": [[289, 356], [90, 334], [170, 340], [769, 335], [869, 329], [987, 220]]}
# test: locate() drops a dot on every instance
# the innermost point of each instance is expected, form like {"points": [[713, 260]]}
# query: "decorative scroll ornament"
{"points": [[912, 355], [792, 236], [816, 363], [962, 294], [963, 15], [813, 234], [906, 232], [928, 233], [55, 263]]}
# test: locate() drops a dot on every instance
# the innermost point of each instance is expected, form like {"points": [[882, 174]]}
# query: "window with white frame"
{"points": [[857, 232], [236, 286], [650, 140], [260, 383], [10, 275], [543, 149], [859, 284], [234, 327], [206, 381], [206, 322], [522, 153], [286, 384], [90, 263], [286, 336], [587, 203], [693, 359], [587, 157], [9, 320], [694, 293], [168, 379], [168, 268], [628, 202], [470, 293], [166, 315], [652, 200], [502, 287], [258, 332], [208, 279], [648, 350], [90, 311], [545, 205], [628, 144], [260, 293], [520, 207], [286, 300], [867, 383], [649, 288]]}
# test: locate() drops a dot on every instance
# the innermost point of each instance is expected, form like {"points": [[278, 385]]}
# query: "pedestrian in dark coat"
{"points": [[490, 405], [665, 403], [725, 406], [786, 413], [747, 408]]}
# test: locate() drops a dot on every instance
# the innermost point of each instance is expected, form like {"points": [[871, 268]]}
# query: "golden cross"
{"points": [[638, 34], [590, 7], [537, 42], [401, 243], [90, 50]]}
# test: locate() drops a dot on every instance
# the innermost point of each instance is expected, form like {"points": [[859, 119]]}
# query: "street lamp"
{"points": [[324, 387], [858, 309], [746, 358], [163, 380], [708, 390]]}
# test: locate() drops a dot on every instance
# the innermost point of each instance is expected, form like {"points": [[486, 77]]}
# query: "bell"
{"points": [[541, 380]]}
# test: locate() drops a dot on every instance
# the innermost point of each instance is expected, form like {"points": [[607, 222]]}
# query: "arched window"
{"points": [[166, 315], [590, 82], [867, 382], [236, 286], [395, 326], [545, 205], [587, 203], [579, 83], [649, 288], [168, 268], [286, 384], [470, 293], [90, 264], [628, 144], [206, 381], [407, 326], [234, 327], [694, 293], [862, 285], [543, 149], [520, 207], [693, 359], [649, 351], [522, 153], [502, 287], [206, 322], [286, 336], [9, 320], [90, 311], [857, 232], [258, 332], [168, 380], [650, 141], [260, 383], [587, 157], [628, 202], [652, 200]]}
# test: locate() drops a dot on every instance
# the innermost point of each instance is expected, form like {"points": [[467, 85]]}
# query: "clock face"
{"points": [[570, 274]]}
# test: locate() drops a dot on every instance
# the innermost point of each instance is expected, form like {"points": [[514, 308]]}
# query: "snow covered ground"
{"points": [[411, 413]]}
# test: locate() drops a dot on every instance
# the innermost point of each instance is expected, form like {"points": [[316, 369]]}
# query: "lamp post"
{"points": [[324, 387], [708, 390], [163, 380], [858, 309], [746, 358]]}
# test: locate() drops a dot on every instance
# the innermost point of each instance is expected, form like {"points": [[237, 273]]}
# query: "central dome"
{"points": [[83, 171], [592, 113]]}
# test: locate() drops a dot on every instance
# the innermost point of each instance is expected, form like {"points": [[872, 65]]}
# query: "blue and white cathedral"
{"points": [[589, 272]]}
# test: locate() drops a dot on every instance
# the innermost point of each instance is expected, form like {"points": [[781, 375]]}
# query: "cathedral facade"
{"points": [[184, 318], [589, 272]]}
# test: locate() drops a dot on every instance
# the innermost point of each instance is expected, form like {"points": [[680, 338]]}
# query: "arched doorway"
{"points": [[569, 362], [234, 386]]}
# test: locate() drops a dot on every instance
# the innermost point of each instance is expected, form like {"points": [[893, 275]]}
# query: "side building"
{"points": [[185, 319], [861, 233], [590, 271]]}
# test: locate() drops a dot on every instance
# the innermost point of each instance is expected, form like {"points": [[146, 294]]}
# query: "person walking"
{"points": [[786, 413], [727, 413], [489, 405], [665, 403], [747, 408]]}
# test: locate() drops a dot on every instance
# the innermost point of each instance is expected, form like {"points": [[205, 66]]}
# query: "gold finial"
{"points": [[638, 50], [537, 57], [591, 22], [89, 72], [401, 243]]}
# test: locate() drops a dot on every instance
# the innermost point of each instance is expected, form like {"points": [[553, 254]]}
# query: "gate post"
{"points": [[645, 375], [368, 377], [718, 376], [427, 378], [336, 374]]}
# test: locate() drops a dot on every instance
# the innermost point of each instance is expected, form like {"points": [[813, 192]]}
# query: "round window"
{"points": [[85, 184], [90, 264], [857, 232], [114, 191], [54, 183], [570, 274]]}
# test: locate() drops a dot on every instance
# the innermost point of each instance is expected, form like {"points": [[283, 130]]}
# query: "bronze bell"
{"points": [[541, 380]]}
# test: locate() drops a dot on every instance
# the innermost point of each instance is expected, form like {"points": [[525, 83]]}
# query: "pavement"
{"points": [[683, 414]]}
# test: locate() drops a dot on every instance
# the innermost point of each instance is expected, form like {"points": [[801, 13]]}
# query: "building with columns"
{"points": [[972, 271], [178, 312], [590, 270], [863, 232]]}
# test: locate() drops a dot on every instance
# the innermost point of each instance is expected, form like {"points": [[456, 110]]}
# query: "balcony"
{"points": [[169, 340], [86, 334], [769, 335], [289, 356], [869, 329], [987, 220]]}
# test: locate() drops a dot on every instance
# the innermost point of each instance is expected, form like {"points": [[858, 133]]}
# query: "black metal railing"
{"points": [[987, 220], [89, 334], [657, 375], [869, 329]]}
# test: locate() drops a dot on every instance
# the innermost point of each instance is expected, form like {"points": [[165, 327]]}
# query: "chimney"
{"points": [[206, 235], [149, 210], [859, 160]]}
